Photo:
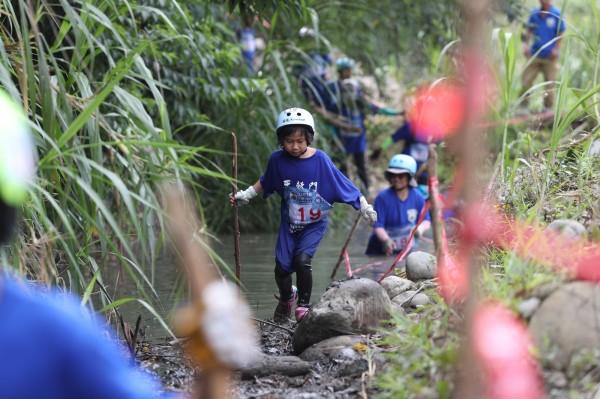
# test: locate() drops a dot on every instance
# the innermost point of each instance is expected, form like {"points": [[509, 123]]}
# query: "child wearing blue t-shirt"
{"points": [[398, 208], [309, 184]]}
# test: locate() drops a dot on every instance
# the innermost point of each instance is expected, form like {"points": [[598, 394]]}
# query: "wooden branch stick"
{"points": [[273, 324], [183, 227], [436, 220], [337, 265], [236, 224]]}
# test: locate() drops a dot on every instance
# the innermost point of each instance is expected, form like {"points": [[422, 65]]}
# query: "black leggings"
{"points": [[283, 278]]}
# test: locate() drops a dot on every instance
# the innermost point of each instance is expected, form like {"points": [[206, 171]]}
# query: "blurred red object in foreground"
{"points": [[486, 224], [502, 345], [438, 111], [452, 277]]}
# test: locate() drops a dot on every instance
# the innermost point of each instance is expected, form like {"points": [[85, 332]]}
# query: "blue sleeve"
{"points": [[329, 100], [97, 369], [345, 191], [269, 177], [402, 133], [53, 350]]}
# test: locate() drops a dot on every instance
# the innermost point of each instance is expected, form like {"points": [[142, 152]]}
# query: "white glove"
{"points": [[244, 196], [367, 211]]}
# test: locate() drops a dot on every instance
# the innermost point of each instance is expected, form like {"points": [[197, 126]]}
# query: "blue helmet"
{"points": [[344, 63], [402, 163]]}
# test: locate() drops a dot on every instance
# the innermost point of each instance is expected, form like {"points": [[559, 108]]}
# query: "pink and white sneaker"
{"points": [[301, 311], [284, 309]]}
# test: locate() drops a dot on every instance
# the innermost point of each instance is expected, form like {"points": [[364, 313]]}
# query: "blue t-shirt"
{"points": [[49, 350], [397, 217], [308, 188], [248, 42], [544, 30], [413, 146]]}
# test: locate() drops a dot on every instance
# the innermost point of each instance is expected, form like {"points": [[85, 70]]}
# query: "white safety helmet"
{"points": [[296, 116]]}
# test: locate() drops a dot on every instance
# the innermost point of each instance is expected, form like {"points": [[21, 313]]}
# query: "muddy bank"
{"points": [[339, 378]]}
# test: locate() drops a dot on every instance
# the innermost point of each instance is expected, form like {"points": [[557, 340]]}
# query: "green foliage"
{"points": [[424, 354], [108, 96], [546, 171]]}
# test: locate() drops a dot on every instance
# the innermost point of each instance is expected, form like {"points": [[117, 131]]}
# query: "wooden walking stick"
{"points": [[337, 265], [437, 224], [236, 224]]}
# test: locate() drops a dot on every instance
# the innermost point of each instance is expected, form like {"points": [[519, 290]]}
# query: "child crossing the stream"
{"points": [[309, 184]]}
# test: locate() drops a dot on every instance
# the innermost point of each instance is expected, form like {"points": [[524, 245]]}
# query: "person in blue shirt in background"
{"points": [[309, 184], [546, 26], [398, 208], [346, 98], [49, 348], [248, 43]]}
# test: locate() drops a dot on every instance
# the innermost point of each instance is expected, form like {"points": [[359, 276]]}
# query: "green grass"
{"points": [[545, 173]]}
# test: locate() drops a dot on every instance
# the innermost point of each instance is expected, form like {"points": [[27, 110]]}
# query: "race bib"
{"points": [[305, 206], [400, 236]]}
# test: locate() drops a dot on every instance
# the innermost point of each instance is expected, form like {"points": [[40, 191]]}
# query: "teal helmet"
{"points": [[402, 163], [17, 166], [344, 63]]}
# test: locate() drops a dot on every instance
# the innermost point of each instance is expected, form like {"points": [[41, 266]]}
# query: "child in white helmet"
{"points": [[398, 208], [309, 184]]}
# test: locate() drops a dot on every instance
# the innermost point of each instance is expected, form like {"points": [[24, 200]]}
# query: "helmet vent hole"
{"points": [[289, 114], [298, 113]]}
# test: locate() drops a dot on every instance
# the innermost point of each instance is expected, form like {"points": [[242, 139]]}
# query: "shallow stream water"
{"points": [[257, 264]]}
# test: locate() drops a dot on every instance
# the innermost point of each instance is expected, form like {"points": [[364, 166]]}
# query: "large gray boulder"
{"points": [[353, 306], [420, 266], [569, 320]]}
